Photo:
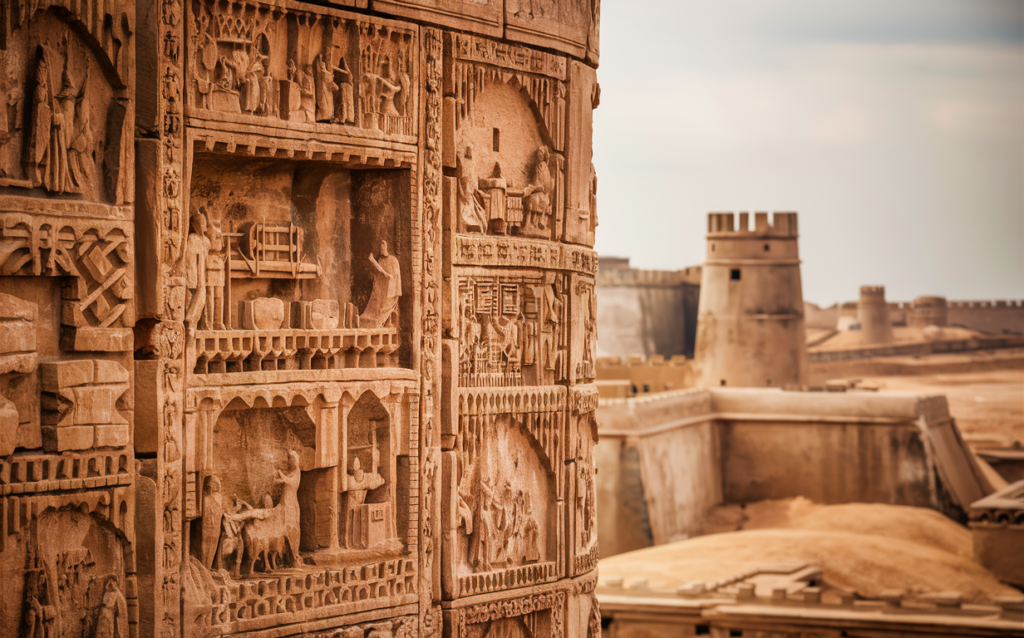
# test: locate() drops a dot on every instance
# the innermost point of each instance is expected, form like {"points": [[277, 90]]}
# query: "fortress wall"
{"points": [[993, 317], [647, 311], [706, 447]]}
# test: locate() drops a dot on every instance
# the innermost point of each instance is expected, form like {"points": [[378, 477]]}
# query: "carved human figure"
{"points": [[268, 101], [39, 618], [213, 511], [537, 195], [531, 532], [197, 252], [112, 621], [551, 326], [359, 482], [213, 309], [248, 69], [529, 342], [480, 540], [80, 159], [584, 500], [511, 345], [388, 87], [323, 81], [593, 197], [289, 479], [403, 99], [471, 209], [387, 288], [48, 160], [206, 60], [345, 104]]}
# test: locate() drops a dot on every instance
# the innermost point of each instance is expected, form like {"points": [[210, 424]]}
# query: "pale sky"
{"points": [[895, 128]]}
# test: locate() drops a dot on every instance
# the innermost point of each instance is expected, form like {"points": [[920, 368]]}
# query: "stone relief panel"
{"points": [[581, 178], [581, 481], [67, 494], [257, 63], [507, 123], [503, 505], [541, 614], [513, 328], [292, 266], [297, 502], [583, 339], [65, 114]]}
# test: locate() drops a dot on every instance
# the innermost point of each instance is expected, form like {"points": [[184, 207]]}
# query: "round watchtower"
{"points": [[928, 311], [750, 325], [873, 315]]}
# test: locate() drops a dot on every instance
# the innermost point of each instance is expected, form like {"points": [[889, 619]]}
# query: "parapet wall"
{"points": [[705, 447]]}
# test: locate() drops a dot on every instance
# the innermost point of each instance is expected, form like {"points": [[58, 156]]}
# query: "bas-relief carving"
{"points": [[298, 68], [65, 119], [512, 329], [247, 247], [508, 117], [67, 497]]}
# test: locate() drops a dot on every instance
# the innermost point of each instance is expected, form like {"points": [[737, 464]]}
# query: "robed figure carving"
{"points": [[387, 288]]}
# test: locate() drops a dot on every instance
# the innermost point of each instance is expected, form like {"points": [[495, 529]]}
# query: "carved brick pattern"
{"points": [[259, 603], [510, 578]]}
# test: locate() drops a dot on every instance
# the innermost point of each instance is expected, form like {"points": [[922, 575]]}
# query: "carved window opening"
{"points": [[496, 147], [734, 274]]}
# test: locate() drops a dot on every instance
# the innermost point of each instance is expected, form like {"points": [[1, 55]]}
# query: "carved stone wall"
{"points": [[297, 318]]}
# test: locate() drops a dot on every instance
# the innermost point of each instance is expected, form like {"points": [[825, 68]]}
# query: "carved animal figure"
{"points": [[268, 534]]}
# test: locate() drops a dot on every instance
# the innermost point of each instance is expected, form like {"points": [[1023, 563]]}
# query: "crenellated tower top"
{"points": [[782, 225]]}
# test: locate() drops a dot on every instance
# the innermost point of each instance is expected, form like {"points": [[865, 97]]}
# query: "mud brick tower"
{"points": [[285, 335], [750, 327]]}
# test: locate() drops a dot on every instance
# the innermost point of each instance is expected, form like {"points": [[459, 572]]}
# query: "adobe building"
{"points": [[297, 318], [750, 330]]}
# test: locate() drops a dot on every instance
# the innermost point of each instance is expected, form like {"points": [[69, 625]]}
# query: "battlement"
{"points": [[874, 293], [783, 225]]}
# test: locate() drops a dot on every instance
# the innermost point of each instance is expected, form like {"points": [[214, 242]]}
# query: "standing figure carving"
{"points": [[480, 541], [197, 252], [213, 311], [323, 81], [550, 329], [345, 108], [48, 153], [387, 288], [470, 208], [112, 621]]}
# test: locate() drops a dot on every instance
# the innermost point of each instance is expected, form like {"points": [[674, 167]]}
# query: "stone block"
{"points": [[71, 437], [58, 375], [111, 435], [262, 313], [109, 372]]}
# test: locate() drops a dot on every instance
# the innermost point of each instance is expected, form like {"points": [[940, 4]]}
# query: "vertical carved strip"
{"points": [[431, 337], [173, 228]]}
